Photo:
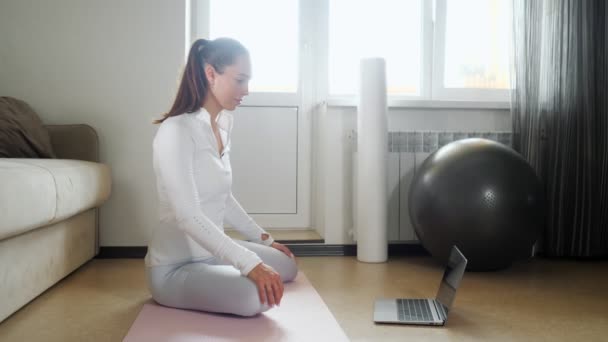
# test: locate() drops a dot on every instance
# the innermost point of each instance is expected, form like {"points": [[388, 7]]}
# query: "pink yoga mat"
{"points": [[302, 316]]}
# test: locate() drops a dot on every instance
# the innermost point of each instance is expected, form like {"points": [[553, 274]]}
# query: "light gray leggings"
{"points": [[214, 286]]}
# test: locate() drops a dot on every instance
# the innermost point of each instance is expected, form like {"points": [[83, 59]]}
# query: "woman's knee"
{"points": [[287, 268], [250, 304], [251, 310], [278, 260]]}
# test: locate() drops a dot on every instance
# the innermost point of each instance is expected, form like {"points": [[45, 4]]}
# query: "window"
{"points": [[476, 51], [472, 50], [271, 38], [382, 28], [434, 50]]}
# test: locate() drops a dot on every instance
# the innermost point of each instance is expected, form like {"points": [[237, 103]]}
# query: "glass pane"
{"points": [[478, 33], [271, 36], [381, 28]]}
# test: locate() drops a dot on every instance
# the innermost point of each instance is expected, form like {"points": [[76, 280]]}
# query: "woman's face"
{"points": [[232, 85]]}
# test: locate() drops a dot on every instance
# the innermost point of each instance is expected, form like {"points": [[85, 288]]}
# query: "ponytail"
{"points": [[193, 86]]}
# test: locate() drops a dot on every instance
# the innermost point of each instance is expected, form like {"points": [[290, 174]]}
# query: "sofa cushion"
{"points": [[22, 134], [27, 197], [45, 191]]}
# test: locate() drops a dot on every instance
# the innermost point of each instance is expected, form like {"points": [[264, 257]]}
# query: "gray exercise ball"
{"points": [[481, 196]]}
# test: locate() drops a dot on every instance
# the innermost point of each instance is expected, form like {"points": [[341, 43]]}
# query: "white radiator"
{"points": [[406, 152]]}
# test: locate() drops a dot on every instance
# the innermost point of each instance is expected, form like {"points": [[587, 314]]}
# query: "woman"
{"points": [[191, 263]]}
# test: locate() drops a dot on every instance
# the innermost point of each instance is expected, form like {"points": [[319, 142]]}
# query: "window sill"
{"points": [[401, 103]]}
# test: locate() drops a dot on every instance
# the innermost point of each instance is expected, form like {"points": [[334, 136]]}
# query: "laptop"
{"points": [[425, 311]]}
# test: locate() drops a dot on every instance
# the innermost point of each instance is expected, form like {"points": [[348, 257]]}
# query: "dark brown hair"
{"points": [[218, 53]]}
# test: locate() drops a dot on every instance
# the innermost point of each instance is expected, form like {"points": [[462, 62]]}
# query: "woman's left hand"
{"points": [[283, 249]]}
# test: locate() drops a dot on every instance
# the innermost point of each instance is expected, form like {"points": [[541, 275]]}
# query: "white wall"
{"points": [[111, 64], [334, 177], [3, 48]]}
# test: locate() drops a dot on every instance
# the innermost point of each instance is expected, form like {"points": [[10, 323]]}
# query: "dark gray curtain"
{"points": [[559, 108]]}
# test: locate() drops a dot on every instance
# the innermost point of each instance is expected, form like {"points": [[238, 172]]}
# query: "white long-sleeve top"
{"points": [[194, 183]]}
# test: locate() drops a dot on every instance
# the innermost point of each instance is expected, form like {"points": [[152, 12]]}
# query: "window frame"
{"points": [[313, 82]]}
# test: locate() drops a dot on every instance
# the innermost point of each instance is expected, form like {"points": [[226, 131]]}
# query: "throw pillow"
{"points": [[22, 134]]}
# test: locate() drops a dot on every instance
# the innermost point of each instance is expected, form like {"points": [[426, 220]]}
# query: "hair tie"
{"points": [[201, 44]]}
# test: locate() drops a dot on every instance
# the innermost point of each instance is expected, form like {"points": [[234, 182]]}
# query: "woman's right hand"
{"points": [[268, 281]]}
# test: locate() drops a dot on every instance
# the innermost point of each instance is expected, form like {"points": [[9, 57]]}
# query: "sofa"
{"points": [[49, 214]]}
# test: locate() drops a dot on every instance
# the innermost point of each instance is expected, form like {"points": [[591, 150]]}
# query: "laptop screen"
{"points": [[451, 278]]}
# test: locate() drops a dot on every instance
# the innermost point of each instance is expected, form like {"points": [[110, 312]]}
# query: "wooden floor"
{"points": [[539, 300]]}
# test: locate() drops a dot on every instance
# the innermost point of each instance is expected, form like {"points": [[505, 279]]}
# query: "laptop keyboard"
{"points": [[414, 310]]}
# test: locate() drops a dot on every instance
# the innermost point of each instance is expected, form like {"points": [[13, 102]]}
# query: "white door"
{"points": [[269, 164]]}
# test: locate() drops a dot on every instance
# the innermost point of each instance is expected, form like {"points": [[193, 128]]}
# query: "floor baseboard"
{"points": [[298, 248]]}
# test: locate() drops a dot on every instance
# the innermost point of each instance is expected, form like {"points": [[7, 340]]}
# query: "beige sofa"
{"points": [[49, 214]]}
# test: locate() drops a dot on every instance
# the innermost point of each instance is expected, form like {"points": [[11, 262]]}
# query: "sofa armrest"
{"points": [[77, 141]]}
